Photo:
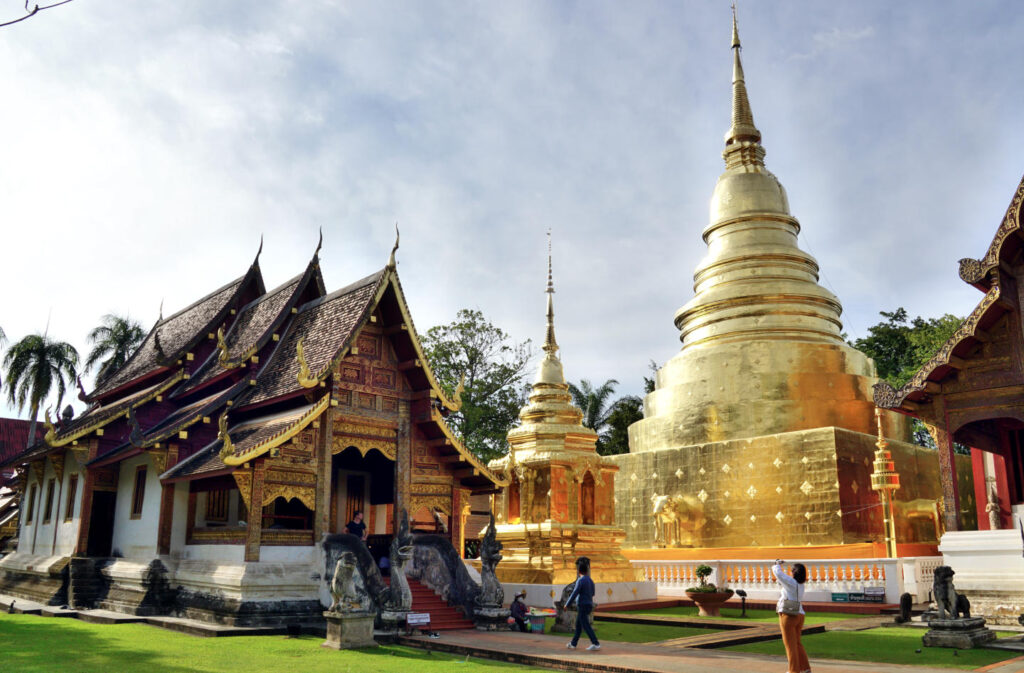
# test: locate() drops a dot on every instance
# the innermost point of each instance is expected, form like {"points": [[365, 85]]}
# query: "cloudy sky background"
{"points": [[147, 146]]}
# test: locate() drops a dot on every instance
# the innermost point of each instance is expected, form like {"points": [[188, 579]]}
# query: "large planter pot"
{"points": [[709, 603]]}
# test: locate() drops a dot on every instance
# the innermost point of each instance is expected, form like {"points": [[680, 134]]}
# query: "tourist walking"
{"points": [[583, 596], [791, 615], [519, 611]]}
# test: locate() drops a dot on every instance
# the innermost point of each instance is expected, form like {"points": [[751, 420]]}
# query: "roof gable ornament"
{"points": [[457, 395], [227, 447], [305, 376], [392, 263], [135, 434], [319, 244], [51, 429], [81, 389]]}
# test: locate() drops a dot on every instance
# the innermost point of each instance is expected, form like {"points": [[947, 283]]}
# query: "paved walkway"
{"points": [[547, 652]]}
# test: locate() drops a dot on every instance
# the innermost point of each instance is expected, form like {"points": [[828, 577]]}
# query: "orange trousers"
{"points": [[792, 626]]}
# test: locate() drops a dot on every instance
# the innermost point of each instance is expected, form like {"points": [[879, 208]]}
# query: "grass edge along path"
{"points": [[754, 616], [32, 644], [884, 645]]}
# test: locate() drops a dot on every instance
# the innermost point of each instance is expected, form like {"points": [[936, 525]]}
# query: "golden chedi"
{"points": [[559, 504], [758, 429]]}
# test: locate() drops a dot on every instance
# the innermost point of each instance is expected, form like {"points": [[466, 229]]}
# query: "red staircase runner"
{"points": [[443, 617]]}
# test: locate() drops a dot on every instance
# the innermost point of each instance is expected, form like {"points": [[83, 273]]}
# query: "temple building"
{"points": [[204, 473], [969, 393], [760, 430], [558, 504]]}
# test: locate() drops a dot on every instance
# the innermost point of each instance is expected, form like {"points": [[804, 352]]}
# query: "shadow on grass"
{"points": [[43, 645]]}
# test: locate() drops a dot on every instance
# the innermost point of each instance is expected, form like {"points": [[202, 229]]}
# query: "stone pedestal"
{"points": [[393, 621], [962, 634], [491, 618], [350, 630]]}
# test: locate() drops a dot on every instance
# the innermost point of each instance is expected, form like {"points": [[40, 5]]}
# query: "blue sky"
{"points": [[147, 147]]}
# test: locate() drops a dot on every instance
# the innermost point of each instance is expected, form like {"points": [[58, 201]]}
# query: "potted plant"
{"points": [[706, 595]]}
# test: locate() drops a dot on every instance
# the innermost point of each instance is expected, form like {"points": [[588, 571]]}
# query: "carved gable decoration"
{"points": [[364, 437]]}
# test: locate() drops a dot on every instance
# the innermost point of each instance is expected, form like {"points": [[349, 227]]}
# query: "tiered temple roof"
{"points": [[243, 370]]}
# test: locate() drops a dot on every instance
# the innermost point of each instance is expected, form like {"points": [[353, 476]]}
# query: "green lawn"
{"points": [[752, 615], [48, 645], [631, 633], [884, 645]]}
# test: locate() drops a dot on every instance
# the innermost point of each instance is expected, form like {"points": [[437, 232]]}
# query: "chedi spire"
{"points": [[743, 141]]}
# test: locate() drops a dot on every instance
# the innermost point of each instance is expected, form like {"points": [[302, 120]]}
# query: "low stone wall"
{"points": [[43, 579]]}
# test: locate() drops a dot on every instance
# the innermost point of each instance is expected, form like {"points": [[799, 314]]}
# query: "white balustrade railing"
{"points": [[824, 577]]}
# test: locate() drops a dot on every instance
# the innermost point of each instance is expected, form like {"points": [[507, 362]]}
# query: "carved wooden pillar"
{"points": [[88, 484], [947, 470], [403, 465], [322, 459], [255, 530], [162, 463]]}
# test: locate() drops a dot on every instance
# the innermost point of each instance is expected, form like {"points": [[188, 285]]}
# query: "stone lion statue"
{"points": [[944, 594], [345, 596]]}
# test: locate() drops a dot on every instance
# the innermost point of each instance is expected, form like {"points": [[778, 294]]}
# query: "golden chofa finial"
{"points": [[227, 447], [222, 350], [51, 429], [305, 376], [392, 262], [457, 395]]}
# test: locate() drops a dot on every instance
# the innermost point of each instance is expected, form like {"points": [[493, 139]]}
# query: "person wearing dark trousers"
{"points": [[519, 612], [583, 597], [791, 615]]}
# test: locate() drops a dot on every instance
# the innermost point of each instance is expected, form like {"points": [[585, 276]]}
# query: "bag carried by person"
{"points": [[789, 607]]}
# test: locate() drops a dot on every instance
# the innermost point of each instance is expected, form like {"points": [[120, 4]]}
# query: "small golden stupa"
{"points": [[560, 502]]}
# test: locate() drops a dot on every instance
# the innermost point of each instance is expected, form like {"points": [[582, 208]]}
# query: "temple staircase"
{"points": [[443, 617]]}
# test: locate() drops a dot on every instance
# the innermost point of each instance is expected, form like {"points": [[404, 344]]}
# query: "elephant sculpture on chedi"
{"points": [[677, 520]]}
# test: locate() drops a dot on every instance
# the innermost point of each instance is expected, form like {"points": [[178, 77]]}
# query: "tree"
{"points": [[29, 13], [113, 341], [625, 412], [900, 347], [494, 367], [593, 402], [32, 367]]}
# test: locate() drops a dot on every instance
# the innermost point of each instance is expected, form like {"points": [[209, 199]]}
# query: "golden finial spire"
{"points": [[743, 139], [550, 345]]}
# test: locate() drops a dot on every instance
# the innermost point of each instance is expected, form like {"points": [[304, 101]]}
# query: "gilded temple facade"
{"points": [[246, 428], [559, 502], [759, 431]]}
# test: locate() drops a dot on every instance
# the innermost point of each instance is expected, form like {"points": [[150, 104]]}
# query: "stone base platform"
{"points": [[545, 595], [962, 634], [346, 631]]}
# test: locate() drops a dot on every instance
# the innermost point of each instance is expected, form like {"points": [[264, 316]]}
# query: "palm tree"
{"points": [[593, 402], [113, 341], [31, 369]]}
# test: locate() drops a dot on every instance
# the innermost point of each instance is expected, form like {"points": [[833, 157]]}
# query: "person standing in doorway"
{"points": [[791, 615], [583, 597], [356, 526]]}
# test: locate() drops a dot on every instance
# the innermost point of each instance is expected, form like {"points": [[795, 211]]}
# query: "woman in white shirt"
{"points": [[791, 615]]}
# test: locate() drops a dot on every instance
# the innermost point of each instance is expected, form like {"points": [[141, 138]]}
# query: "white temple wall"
{"points": [[28, 530], [136, 538], [67, 529], [179, 525]]}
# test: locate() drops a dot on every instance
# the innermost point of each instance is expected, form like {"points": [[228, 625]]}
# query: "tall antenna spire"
{"points": [[743, 141], [550, 345]]}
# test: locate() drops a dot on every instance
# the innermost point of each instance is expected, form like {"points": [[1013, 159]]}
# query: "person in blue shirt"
{"points": [[583, 597]]}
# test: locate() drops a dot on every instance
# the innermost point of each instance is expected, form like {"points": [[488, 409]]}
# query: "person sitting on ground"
{"points": [[356, 526], [583, 595], [519, 611]]}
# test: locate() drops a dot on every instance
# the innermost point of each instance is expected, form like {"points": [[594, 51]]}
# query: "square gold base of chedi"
{"points": [[546, 553], [809, 487]]}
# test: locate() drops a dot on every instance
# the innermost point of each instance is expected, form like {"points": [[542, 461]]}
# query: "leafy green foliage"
{"points": [[495, 369], [900, 346], [625, 412], [34, 366], [113, 341]]}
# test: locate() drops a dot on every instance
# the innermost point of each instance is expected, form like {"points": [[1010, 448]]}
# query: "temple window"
{"points": [[69, 508], [138, 492], [287, 515], [31, 504], [587, 499], [217, 506], [220, 515], [48, 512]]}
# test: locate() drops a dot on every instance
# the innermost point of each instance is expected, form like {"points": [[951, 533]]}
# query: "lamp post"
{"points": [[885, 480]]}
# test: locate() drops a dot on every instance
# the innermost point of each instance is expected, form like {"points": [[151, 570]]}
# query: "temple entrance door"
{"points": [[355, 495], [362, 483], [101, 523], [587, 499]]}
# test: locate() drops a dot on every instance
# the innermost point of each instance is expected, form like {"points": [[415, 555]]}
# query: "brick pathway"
{"points": [[547, 652]]}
